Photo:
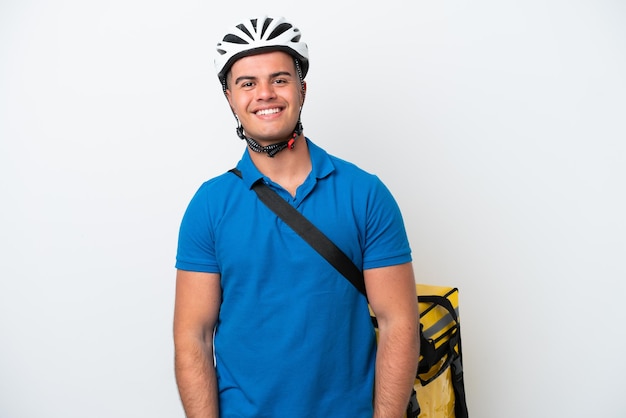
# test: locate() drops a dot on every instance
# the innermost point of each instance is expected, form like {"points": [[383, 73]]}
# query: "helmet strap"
{"points": [[272, 149], [299, 71]]}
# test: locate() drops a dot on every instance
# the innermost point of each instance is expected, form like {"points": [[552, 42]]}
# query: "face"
{"points": [[265, 93]]}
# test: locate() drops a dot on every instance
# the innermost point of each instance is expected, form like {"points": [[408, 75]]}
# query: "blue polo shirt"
{"points": [[294, 337]]}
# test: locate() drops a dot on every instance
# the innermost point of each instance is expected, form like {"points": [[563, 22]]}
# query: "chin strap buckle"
{"points": [[292, 142]]}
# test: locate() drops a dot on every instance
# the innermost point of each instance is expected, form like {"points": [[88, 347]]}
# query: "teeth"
{"points": [[267, 111]]}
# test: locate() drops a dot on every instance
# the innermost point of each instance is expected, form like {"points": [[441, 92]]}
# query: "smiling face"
{"points": [[265, 93]]}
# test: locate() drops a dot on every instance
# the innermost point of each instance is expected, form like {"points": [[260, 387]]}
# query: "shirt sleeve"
{"points": [[196, 241], [386, 241]]}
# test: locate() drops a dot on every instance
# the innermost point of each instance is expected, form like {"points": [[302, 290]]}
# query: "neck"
{"points": [[288, 168]]}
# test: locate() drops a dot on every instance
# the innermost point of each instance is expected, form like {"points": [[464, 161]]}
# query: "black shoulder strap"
{"points": [[309, 232]]}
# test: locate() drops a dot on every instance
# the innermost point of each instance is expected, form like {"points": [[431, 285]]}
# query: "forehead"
{"points": [[265, 63]]}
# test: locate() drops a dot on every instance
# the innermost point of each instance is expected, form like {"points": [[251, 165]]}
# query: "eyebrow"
{"points": [[273, 75]]}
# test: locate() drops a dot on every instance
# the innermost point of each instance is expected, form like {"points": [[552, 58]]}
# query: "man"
{"points": [[263, 325]]}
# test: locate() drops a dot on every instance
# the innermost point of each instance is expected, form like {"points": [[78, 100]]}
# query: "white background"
{"points": [[499, 127]]}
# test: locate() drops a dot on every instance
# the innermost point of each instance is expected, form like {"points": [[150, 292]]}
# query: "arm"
{"points": [[198, 298], [391, 293]]}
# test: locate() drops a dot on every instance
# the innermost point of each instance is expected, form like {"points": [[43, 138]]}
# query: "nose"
{"points": [[265, 91]]}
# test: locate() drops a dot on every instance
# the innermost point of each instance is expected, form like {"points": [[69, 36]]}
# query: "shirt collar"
{"points": [[322, 165]]}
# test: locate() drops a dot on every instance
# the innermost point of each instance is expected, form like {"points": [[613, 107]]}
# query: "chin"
{"points": [[274, 138]]}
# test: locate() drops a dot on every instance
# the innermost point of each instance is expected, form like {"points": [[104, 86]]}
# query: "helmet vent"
{"points": [[234, 39], [245, 30], [279, 30], [266, 25]]}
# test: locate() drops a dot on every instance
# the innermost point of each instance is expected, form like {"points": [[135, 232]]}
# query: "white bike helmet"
{"points": [[259, 35]]}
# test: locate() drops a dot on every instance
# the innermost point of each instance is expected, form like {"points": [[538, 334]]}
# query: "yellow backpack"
{"points": [[439, 390]]}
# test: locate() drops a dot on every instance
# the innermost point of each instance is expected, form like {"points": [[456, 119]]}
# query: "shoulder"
{"points": [[222, 185], [220, 182], [330, 166], [351, 176], [345, 167], [217, 195]]}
